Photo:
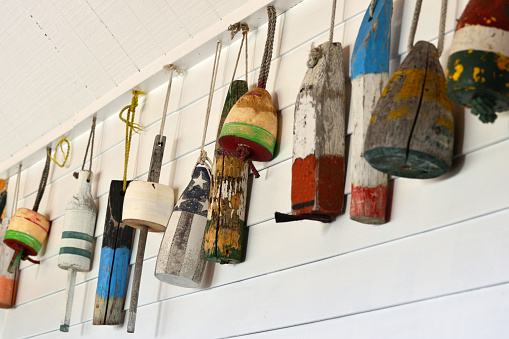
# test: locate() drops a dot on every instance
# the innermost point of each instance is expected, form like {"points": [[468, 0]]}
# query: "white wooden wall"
{"points": [[438, 269]]}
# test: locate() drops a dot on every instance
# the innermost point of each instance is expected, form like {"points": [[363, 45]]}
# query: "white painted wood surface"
{"points": [[436, 269]]}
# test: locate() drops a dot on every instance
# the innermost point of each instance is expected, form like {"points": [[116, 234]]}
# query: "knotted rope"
{"points": [[242, 152], [90, 145], [130, 126], [269, 43], [441, 31], [64, 154], [235, 28], [44, 180]]}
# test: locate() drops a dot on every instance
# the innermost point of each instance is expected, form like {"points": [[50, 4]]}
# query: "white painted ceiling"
{"points": [[59, 56]]}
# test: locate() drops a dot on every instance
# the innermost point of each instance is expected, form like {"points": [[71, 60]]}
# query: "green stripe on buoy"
{"points": [[76, 251], [77, 235], [23, 238], [251, 132]]}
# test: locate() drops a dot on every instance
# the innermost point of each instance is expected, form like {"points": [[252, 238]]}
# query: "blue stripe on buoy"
{"points": [[119, 272], [372, 48], [103, 281]]}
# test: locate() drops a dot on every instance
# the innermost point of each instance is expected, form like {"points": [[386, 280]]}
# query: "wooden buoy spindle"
{"points": [[318, 163], [180, 259], [411, 132], [478, 64], [225, 234], [8, 281], [29, 229], [147, 206], [250, 129], [370, 74], [77, 241]]}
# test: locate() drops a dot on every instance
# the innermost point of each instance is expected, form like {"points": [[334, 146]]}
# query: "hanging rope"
{"points": [[267, 53], [130, 126], [332, 19], [441, 32], [16, 193], [168, 68], [64, 154], [90, 145], [44, 180], [203, 159], [235, 28]]}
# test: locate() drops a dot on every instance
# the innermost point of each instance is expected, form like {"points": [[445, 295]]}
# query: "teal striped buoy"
{"points": [[77, 238]]}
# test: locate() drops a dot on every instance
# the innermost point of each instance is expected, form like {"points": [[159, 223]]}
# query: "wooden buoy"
{"points": [[250, 129], [226, 220], [411, 132], [180, 260], [114, 264], [370, 74], [478, 64], [77, 238], [225, 234], [8, 281], [318, 165], [77, 241], [147, 206], [28, 229]]}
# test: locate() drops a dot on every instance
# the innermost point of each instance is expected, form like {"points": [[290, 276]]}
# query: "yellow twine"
{"points": [[130, 126], [64, 154]]}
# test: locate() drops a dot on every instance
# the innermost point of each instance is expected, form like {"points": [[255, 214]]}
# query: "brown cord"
{"points": [[44, 180], [269, 44]]}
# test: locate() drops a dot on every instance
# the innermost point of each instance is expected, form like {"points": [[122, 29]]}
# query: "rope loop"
{"points": [[130, 126], [204, 160], [441, 30], [64, 154], [90, 145]]}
